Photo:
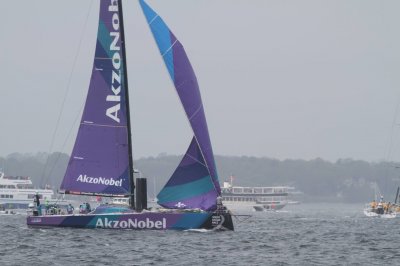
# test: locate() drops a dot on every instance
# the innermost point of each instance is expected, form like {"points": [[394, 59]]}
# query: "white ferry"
{"points": [[259, 198], [16, 192]]}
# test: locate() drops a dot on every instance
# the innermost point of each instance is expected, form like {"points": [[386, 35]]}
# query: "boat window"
{"points": [[226, 190], [25, 186], [237, 190], [17, 177], [258, 190], [268, 190], [31, 196], [247, 190], [10, 186]]}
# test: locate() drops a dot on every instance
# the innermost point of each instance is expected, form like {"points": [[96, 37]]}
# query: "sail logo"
{"points": [[180, 205], [99, 180], [115, 97], [36, 220], [131, 224], [217, 221]]}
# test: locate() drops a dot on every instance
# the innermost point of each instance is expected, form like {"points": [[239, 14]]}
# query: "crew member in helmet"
{"points": [[70, 209]]}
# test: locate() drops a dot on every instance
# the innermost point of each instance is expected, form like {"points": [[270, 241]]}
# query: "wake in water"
{"points": [[199, 230]]}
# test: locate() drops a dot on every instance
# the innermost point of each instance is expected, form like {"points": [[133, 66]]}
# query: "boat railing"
{"points": [[256, 190]]}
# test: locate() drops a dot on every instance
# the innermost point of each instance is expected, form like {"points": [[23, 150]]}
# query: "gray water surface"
{"points": [[306, 234]]}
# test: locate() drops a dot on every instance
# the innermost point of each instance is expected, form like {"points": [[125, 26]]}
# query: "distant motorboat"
{"points": [[273, 205], [7, 212], [258, 208], [3, 211]]}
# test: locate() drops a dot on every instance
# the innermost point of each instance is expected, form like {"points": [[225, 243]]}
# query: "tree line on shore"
{"points": [[345, 180]]}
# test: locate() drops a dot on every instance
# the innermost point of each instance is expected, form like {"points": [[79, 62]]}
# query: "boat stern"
{"points": [[219, 221]]}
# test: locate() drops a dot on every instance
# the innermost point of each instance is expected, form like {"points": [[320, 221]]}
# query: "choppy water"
{"points": [[307, 234]]}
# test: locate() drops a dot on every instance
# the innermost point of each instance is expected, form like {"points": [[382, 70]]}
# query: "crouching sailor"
{"points": [[70, 209], [84, 208]]}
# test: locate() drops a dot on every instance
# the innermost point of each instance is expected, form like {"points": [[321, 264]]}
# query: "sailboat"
{"points": [[381, 208], [101, 161]]}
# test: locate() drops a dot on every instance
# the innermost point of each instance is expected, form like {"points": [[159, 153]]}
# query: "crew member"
{"points": [[37, 208], [70, 209]]}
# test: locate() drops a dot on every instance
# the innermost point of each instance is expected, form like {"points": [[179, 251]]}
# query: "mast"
{"points": [[128, 115]]}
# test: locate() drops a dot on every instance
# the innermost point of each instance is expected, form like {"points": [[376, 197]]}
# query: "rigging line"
{"points": [[195, 159], [65, 141], [205, 161], [389, 145], [66, 91]]}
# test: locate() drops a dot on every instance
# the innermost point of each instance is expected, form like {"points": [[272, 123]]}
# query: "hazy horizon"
{"points": [[279, 79], [165, 154]]}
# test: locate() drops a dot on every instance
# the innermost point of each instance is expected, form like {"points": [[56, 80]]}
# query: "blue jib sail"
{"points": [[195, 183], [99, 163]]}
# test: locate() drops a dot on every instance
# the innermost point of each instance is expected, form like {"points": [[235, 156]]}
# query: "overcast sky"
{"points": [[282, 79]]}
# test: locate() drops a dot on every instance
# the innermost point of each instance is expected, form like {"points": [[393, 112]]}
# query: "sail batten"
{"points": [[99, 163], [199, 157]]}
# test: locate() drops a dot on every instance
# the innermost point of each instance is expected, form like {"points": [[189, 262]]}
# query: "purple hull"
{"points": [[137, 221]]}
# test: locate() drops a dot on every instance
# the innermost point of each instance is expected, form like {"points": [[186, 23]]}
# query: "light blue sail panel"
{"points": [[162, 36], [186, 85]]}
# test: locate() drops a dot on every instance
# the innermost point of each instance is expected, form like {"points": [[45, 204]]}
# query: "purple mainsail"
{"points": [[195, 183], [99, 162]]}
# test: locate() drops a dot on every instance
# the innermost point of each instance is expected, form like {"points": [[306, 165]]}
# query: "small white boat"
{"points": [[258, 208], [7, 212]]}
